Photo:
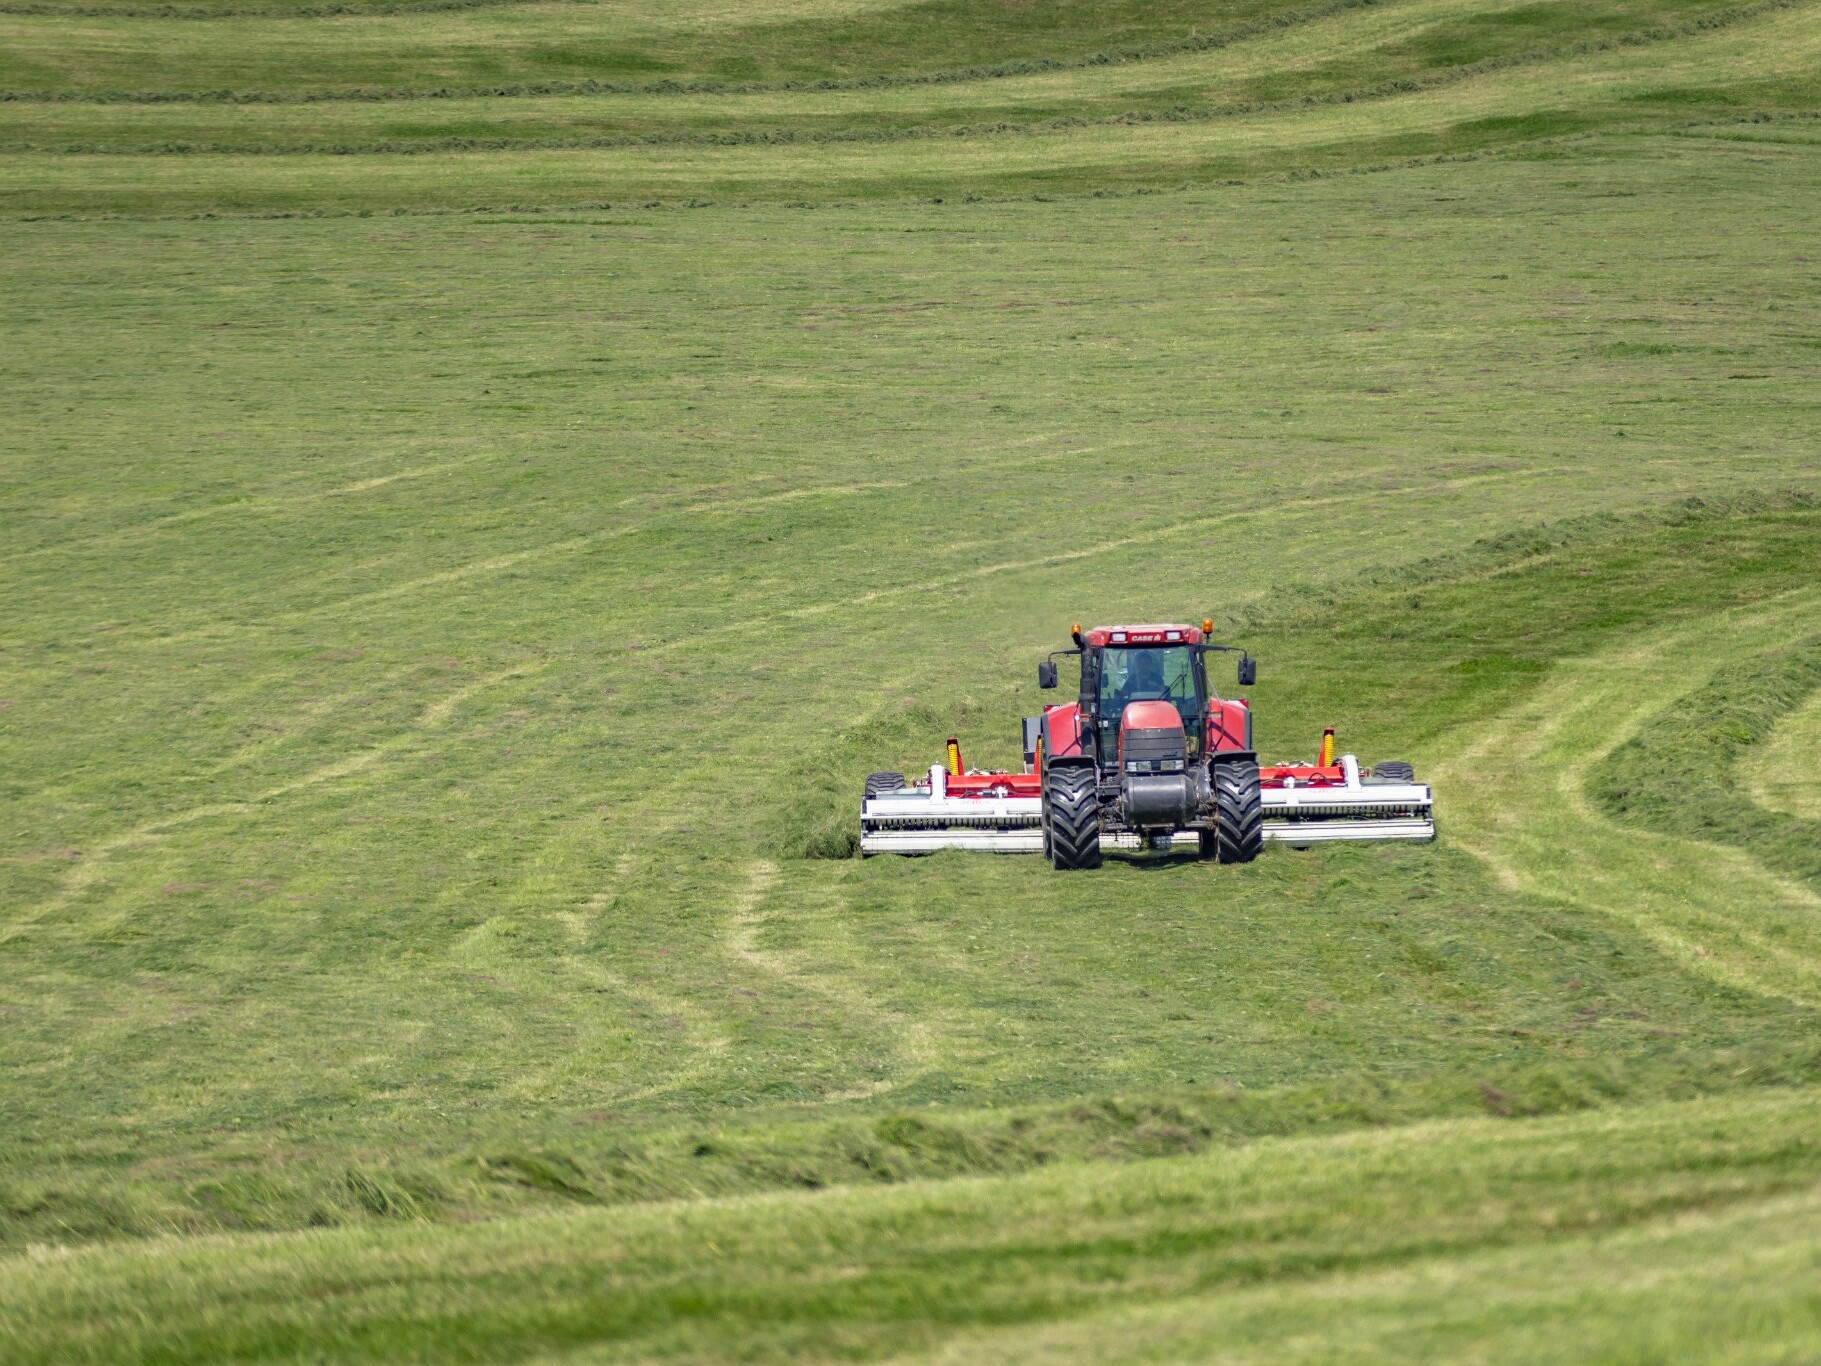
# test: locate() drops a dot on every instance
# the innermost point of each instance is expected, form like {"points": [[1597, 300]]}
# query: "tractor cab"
{"points": [[1125, 675], [1122, 666]]}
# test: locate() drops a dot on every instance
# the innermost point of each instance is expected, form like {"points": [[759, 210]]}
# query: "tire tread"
{"points": [[1239, 818], [1073, 830]]}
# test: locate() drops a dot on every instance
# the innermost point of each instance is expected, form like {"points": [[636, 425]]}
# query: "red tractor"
{"points": [[1147, 757]]}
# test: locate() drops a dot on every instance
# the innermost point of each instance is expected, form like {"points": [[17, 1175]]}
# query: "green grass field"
{"points": [[484, 483]]}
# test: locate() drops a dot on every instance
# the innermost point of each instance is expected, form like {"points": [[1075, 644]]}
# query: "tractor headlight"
{"points": [[1154, 765]]}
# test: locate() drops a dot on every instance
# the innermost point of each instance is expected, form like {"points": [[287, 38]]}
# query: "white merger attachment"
{"points": [[923, 818], [1354, 809], [1005, 817]]}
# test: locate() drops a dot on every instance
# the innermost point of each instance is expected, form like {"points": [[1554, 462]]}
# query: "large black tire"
{"points": [[1072, 828], [883, 782], [1239, 818], [1394, 771]]}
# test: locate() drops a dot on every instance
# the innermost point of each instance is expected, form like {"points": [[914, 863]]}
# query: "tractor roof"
{"points": [[1155, 633]]}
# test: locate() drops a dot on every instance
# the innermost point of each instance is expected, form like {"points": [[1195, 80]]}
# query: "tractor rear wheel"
{"points": [[1072, 826], [1394, 771], [883, 782], [1239, 818]]}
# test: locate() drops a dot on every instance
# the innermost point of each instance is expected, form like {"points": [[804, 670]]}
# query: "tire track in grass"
{"points": [[473, 569], [683, 1033], [1163, 533], [93, 863], [1781, 775], [706, 1031], [257, 506], [705, 1035], [747, 915], [315, 713], [744, 918], [765, 500], [240, 507], [580, 923], [1514, 794], [341, 607]]}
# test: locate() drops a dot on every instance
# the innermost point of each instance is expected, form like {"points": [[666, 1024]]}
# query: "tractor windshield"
{"points": [[1158, 673]]}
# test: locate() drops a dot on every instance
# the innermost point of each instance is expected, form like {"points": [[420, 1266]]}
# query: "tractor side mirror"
{"points": [[1248, 671], [1046, 673]]}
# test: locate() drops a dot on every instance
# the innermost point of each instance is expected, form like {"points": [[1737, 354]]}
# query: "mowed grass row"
{"points": [[1279, 54], [755, 42], [1681, 774], [1777, 772], [1377, 51], [1586, 93], [662, 17], [1658, 1233], [1648, 786], [491, 763]]}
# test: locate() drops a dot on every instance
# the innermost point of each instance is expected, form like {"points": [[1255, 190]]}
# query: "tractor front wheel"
{"points": [[1239, 818], [1072, 826]]}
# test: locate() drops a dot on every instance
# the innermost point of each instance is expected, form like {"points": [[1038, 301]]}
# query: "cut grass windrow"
{"points": [[1779, 774], [1445, 40], [1497, 110], [50, 10], [1272, 21], [1683, 772], [1531, 786], [1618, 1222], [280, 124]]}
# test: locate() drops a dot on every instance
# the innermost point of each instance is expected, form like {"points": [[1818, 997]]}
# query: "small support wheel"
{"points": [[1071, 831], [1239, 817], [1394, 771], [877, 783]]}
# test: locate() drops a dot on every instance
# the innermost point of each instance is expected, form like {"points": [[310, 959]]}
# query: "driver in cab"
{"points": [[1144, 680]]}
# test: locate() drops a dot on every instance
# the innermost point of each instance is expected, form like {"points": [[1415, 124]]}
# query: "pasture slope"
{"points": [[483, 481]]}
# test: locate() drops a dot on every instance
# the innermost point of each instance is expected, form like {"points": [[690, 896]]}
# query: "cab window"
{"points": [[1158, 674]]}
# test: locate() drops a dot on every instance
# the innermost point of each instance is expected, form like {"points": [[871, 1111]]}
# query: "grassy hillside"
{"points": [[445, 645], [741, 46], [191, 115]]}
